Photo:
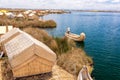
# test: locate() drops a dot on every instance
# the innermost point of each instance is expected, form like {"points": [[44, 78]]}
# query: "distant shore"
{"points": [[24, 18], [112, 11], [58, 11], [40, 12]]}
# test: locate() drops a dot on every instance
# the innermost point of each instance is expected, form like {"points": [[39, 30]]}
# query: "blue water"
{"points": [[102, 39]]}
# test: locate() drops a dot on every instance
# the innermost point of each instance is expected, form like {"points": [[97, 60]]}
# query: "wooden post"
{"points": [[6, 28]]}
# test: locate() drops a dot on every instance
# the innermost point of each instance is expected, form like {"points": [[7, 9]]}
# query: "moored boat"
{"points": [[75, 37], [84, 74]]}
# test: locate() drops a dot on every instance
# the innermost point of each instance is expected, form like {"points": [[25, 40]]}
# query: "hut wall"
{"points": [[37, 66], [31, 64], [45, 54], [22, 58]]}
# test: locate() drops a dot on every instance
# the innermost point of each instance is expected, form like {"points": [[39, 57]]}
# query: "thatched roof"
{"points": [[28, 11], [10, 34], [24, 47], [32, 16], [60, 74], [20, 15]]}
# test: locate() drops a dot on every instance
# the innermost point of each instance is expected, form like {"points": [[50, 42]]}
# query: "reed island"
{"points": [[30, 53]]}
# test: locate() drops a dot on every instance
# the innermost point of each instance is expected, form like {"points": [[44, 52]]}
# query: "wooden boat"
{"points": [[84, 74], [75, 37]]}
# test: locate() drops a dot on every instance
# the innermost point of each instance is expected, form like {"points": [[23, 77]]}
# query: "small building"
{"points": [[34, 12], [4, 29], [28, 11], [32, 16], [10, 15], [20, 16], [28, 56], [1, 14]]}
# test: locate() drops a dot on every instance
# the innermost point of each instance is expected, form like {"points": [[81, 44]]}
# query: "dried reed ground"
{"points": [[70, 59], [23, 23]]}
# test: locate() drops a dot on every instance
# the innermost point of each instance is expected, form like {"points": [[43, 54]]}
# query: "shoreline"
{"points": [[58, 11]]}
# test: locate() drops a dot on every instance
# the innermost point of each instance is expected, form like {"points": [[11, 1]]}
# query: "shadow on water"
{"points": [[80, 44]]}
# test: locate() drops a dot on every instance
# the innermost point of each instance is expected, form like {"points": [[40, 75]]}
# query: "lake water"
{"points": [[102, 39]]}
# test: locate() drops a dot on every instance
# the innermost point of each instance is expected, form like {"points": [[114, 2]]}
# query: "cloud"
{"points": [[102, 1], [115, 1], [62, 4]]}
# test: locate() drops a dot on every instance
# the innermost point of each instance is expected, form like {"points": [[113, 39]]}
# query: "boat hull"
{"points": [[75, 37]]}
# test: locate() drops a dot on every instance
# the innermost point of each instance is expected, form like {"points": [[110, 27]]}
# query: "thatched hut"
{"points": [[10, 15], [28, 56], [32, 16], [20, 16], [28, 11]]}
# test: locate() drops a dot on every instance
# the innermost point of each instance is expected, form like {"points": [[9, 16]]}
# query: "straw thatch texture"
{"points": [[9, 35], [57, 74], [33, 17], [28, 56], [61, 74], [5, 70]]}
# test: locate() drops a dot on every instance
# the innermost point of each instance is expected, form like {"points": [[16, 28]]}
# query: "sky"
{"points": [[62, 4]]}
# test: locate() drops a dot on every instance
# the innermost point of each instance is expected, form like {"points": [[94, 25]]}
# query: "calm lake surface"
{"points": [[102, 39]]}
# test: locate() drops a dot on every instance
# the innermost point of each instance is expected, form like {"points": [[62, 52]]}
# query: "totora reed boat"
{"points": [[84, 74], [75, 37]]}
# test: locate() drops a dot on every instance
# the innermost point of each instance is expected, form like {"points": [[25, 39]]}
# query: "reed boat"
{"points": [[84, 74], [75, 37]]}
